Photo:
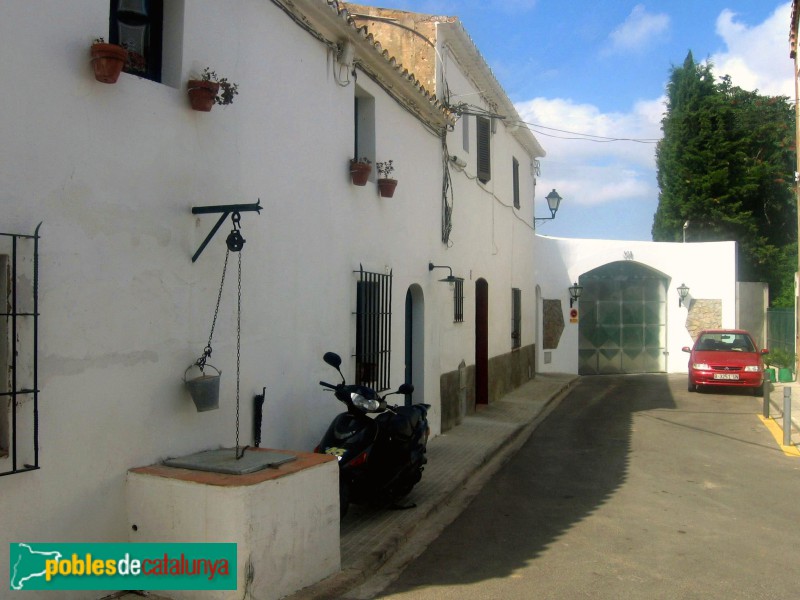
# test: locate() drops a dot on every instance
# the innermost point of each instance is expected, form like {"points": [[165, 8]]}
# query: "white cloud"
{"points": [[756, 57], [639, 30], [594, 173]]}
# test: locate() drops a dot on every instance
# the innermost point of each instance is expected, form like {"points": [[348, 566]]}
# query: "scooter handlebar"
{"points": [[327, 385]]}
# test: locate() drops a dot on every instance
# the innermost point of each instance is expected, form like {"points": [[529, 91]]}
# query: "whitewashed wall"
{"points": [[490, 238], [708, 269], [113, 171]]}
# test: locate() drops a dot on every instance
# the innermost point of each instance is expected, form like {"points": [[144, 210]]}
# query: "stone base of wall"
{"points": [[506, 372]]}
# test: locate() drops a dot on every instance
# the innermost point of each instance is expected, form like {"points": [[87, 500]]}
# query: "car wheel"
{"points": [[692, 387], [758, 391]]}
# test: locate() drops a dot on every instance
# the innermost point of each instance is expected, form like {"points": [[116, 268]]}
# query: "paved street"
{"points": [[632, 488]]}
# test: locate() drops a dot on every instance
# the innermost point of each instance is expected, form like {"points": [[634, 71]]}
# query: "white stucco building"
{"points": [[112, 173]]}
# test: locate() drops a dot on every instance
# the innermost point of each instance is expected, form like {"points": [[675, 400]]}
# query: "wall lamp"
{"points": [[450, 278], [575, 292], [553, 202], [683, 291]]}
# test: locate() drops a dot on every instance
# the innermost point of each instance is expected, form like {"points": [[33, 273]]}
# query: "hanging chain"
{"points": [[201, 362], [238, 353]]}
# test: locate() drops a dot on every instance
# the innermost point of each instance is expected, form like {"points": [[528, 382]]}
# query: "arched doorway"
{"points": [[415, 343], [481, 342], [623, 320]]}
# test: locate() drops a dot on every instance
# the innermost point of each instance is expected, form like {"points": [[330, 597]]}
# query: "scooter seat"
{"points": [[411, 413]]}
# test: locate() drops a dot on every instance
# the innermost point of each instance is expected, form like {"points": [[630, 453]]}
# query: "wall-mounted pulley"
{"points": [[234, 241]]}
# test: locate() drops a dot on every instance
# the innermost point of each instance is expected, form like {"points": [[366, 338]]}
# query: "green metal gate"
{"points": [[622, 324]]}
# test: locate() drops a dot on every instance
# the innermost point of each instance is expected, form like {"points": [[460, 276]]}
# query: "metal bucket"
{"points": [[204, 389]]}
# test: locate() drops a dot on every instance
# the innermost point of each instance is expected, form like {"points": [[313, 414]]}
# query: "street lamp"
{"points": [[553, 202], [683, 291], [575, 292]]}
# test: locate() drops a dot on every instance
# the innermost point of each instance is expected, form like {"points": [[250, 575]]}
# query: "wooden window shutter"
{"points": [[484, 132]]}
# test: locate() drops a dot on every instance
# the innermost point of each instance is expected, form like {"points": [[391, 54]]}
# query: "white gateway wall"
{"points": [[708, 269]]}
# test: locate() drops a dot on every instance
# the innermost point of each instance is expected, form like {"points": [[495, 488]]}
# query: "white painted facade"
{"points": [[708, 269], [112, 172]]}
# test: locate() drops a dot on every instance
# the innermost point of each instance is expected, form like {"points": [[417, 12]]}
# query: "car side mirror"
{"points": [[686, 349]]}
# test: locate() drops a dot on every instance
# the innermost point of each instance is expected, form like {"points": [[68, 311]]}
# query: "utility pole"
{"points": [[793, 34]]}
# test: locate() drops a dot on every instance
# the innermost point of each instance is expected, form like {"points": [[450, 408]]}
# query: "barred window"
{"points": [[19, 317], [458, 301], [373, 329]]}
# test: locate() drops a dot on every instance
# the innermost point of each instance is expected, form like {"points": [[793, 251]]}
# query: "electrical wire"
{"points": [[464, 108]]}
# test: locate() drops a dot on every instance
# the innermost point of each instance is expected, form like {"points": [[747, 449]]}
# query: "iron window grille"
{"points": [[516, 317], [19, 350], [458, 301], [373, 329], [515, 177]]}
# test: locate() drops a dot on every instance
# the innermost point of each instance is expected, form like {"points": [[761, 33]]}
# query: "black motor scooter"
{"points": [[381, 458]]}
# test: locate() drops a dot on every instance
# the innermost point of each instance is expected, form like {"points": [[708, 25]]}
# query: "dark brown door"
{"points": [[481, 342]]}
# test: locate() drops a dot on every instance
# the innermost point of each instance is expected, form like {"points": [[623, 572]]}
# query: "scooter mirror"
{"points": [[332, 359], [406, 388]]}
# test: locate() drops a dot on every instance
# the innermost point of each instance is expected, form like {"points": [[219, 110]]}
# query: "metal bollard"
{"points": [[787, 416], [767, 389]]}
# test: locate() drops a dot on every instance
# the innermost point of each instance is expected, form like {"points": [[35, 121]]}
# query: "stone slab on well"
{"points": [[284, 520]]}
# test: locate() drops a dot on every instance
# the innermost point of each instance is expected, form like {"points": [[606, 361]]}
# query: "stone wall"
{"points": [[506, 372], [703, 314]]}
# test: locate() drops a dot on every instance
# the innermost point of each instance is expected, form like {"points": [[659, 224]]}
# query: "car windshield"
{"points": [[725, 342]]}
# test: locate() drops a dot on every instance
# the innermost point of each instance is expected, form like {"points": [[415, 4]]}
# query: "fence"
{"points": [[780, 329]]}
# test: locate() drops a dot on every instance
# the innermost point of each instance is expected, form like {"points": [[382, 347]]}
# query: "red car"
{"points": [[726, 357]]}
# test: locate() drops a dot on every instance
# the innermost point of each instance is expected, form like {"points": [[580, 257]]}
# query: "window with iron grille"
{"points": [[138, 26], [515, 177], [19, 318], [373, 329], [516, 317], [458, 301], [484, 132]]}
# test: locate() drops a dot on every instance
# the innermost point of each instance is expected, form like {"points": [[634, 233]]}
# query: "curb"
{"points": [[468, 484]]}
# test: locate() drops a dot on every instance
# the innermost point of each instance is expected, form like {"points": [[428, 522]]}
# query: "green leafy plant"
{"points": [[780, 358], [227, 90], [363, 160], [385, 168]]}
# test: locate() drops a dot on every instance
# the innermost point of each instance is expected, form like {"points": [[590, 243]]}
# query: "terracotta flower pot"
{"points": [[359, 172], [386, 187], [108, 61], [202, 94]]}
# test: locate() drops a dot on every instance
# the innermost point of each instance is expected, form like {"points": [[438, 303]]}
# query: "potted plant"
{"points": [[211, 89], [386, 184], [784, 361], [107, 60], [360, 168]]}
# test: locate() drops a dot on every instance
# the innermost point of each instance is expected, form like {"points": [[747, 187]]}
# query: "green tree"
{"points": [[726, 166]]}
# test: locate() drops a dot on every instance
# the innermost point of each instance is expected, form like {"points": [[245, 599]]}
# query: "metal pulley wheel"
{"points": [[235, 241]]}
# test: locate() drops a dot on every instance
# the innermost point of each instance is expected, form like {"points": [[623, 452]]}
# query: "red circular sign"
{"points": [[573, 313]]}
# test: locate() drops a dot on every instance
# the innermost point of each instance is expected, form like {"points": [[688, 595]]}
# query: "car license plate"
{"points": [[729, 376]]}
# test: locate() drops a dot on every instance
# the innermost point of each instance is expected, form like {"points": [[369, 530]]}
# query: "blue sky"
{"points": [[600, 68]]}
